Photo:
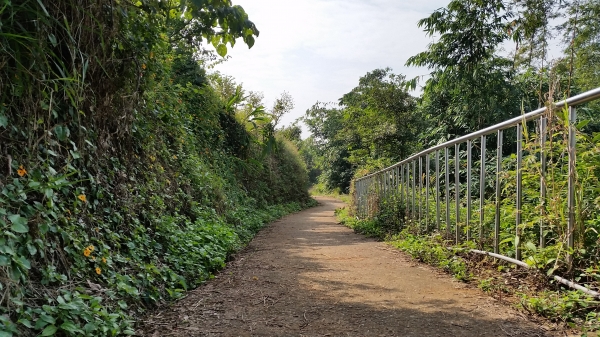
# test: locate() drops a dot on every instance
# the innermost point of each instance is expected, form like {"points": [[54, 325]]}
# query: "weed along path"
{"points": [[307, 275]]}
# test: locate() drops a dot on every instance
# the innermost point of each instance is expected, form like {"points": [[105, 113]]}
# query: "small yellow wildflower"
{"points": [[98, 270], [21, 171], [82, 197], [103, 260], [174, 157], [144, 66], [87, 252], [91, 247]]}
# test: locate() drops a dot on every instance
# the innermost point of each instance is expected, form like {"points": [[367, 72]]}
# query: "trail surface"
{"points": [[307, 275]]}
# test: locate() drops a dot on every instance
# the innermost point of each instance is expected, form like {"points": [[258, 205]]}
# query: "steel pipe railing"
{"points": [[413, 185]]}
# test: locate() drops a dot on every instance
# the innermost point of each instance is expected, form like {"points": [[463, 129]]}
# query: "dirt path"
{"points": [[306, 275]]}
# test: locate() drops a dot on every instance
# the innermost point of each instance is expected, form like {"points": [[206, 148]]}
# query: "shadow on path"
{"points": [[306, 275]]}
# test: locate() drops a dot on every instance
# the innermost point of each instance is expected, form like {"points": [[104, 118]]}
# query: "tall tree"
{"points": [[470, 87], [379, 119]]}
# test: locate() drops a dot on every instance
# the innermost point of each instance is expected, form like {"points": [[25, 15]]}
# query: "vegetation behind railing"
{"points": [[524, 212]]}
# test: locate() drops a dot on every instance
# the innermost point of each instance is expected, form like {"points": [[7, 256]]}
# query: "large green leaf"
{"points": [[3, 121], [19, 223], [249, 41], [62, 132], [50, 330], [222, 50], [70, 327]]}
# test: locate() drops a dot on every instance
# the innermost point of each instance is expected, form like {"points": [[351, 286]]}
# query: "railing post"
{"points": [[357, 197], [468, 222], [519, 191], [406, 186], [571, 184], [420, 191], [368, 187], [385, 176], [363, 195], [457, 189], [427, 193], [413, 182], [401, 185], [542, 179], [498, 172], [437, 189], [447, 183], [482, 190], [397, 179]]}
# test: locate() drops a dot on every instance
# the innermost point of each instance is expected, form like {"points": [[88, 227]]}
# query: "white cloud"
{"points": [[317, 49]]}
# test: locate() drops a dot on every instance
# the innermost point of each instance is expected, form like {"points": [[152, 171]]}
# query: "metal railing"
{"points": [[410, 179]]}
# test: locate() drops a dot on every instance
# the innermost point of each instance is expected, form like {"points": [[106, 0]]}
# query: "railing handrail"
{"points": [[573, 101], [401, 179]]}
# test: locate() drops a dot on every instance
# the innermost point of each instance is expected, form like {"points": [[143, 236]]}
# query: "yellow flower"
{"points": [[143, 66], [86, 252], [91, 247], [82, 197], [98, 270], [103, 260], [21, 171], [174, 157]]}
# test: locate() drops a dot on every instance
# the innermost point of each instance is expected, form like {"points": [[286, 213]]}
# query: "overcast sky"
{"points": [[317, 49]]}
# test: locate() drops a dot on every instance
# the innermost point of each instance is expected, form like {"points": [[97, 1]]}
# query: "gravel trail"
{"points": [[307, 275]]}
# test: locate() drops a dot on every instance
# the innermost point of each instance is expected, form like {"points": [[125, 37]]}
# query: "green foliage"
{"points": [[473, 85], [549, 260], [125, 176], [379, 119], [565, 306], [325, 123], [470, 33], [367, 227], [374, 125], [432, 250]]}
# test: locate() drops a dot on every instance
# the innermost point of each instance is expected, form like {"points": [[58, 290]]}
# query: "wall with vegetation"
{"points": [[127, 174]]}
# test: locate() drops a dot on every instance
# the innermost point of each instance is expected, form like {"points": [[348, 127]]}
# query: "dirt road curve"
{"points": [[306, 275]]}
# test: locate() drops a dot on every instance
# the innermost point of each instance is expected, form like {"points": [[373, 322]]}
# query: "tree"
{"points": [[283, 105], [379, 118], [374, 125], [470, 87], [325, 124]]}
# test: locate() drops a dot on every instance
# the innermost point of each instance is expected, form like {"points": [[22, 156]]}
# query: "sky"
{"points": [[316, 50]]}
